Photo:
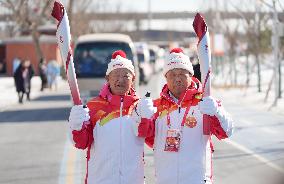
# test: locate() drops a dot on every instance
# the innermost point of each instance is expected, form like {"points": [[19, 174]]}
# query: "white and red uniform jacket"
{"points": [[192, 163], [114, 140]]}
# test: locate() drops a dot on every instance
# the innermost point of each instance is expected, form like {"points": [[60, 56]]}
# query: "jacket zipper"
{"points": [[120, 140]]}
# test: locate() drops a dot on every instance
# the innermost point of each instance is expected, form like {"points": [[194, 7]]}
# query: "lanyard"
{"points": [[183, 119]]}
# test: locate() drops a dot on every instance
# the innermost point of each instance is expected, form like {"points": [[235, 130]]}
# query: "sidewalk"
{"points": [[9, 96], [249, 96]]}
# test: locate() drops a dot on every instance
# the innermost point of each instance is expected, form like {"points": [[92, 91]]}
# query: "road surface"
{"points": [[36, 148]]}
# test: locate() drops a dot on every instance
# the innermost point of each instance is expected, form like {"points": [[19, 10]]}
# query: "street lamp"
{"points": [[149, 14]]}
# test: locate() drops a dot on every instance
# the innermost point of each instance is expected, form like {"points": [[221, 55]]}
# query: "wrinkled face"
{"points": [[120, 80], [178, 80]]}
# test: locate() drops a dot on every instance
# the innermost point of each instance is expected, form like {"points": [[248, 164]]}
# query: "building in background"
{"points": [[23, 48]]}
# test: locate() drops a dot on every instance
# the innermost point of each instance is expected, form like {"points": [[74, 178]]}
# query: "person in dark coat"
{"points": [[196, 68], [23, 76], [43, 74]]}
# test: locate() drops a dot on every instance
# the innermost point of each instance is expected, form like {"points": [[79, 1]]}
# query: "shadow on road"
{"points": [[38, 114], [35, 115], [258, 152], [53, 98], [240, 128]]}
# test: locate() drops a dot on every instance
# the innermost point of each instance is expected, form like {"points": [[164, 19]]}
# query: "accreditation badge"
{"points": [[173, 140]]}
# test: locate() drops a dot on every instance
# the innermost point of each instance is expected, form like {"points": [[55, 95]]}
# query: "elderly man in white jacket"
{"points": [[182, 145], [113, 127]]}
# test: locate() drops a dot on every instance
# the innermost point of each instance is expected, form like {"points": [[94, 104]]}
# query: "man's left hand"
{"points": [[146, 107], [208, 106]]}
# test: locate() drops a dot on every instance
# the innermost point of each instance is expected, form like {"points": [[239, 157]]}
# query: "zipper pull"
{"points": [[121, 106], [178, 109]]}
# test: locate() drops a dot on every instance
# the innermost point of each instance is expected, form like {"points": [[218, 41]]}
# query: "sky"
{"points": [[179, 6], [166, 6], [191, 5], [160, 5], [186, 5]]}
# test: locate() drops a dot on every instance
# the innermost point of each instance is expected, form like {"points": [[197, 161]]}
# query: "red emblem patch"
{"points": [[190, 122]]}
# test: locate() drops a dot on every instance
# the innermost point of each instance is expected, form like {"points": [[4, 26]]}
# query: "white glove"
{"points": [[208, 106], [78, 115], [146, 107]]}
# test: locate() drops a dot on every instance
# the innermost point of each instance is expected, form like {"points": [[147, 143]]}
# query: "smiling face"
{"points": [[178, 80], [120, 81]]}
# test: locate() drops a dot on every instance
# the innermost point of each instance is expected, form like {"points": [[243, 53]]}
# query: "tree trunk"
{"points": [[36, 36], [269, 87], [258, 72], [235, 71], [279, 79], [247, 70]]}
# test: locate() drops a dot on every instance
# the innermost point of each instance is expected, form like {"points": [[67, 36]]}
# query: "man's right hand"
{"points": [[78, 115], [146, 108]]}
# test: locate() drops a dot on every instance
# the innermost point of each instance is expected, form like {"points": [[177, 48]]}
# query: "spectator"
{"points": [[16, 63], [43, 73], [53, 72], [23, 76]]}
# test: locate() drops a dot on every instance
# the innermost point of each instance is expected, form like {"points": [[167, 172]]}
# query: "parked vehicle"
{"points": [[143, 55], [157, 57]]}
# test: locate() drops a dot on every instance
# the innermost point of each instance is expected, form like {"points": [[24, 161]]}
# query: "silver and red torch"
{"points": [[204, 55], [64, 42]]}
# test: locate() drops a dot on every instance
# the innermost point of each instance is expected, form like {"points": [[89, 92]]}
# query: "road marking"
{"points": [[78, 167], [265, 129], [71, 166], [268, 130], [260, 158], [67, 166], [62, 172], [246, 122]]}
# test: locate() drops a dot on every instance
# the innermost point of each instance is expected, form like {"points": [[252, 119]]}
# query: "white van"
{"points": [[145, 67], [157, 57], [92, 54]]}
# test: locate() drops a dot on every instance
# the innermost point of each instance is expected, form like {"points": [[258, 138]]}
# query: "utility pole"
{"points": [[275, 43], [257, 46], [149, 14], [276, 35]]}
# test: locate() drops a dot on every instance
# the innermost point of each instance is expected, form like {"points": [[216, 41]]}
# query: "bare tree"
{"points": [[81, 16], [77, 13], [256, 42], [27, 16]]}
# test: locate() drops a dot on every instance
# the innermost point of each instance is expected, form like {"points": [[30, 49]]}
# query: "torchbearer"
{"points": [[182, 152], [113, 125]]}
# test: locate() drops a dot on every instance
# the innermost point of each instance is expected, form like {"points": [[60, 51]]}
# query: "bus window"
{"points": [[92, 58]]}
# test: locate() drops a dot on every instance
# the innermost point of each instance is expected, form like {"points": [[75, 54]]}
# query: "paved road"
{"points": [[32, 139], [35, 146], [255, 153]]}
